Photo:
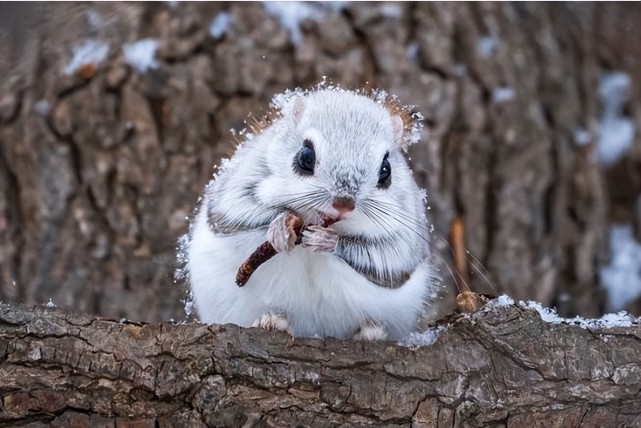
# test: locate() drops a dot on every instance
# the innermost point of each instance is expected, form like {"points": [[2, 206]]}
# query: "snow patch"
{"points": [[549, 315], [42, 107], [616, 132], [582, 136], [292, 14], [94, 19], [189, 304], [220, 25], [486, 46], [89, 52], [412, 52], [621, 319], [502, 300], [426, 338], [333, 6], [614, 89], [615, 139], [141, 55], [391, 10], [622, 276], [502, 95]]}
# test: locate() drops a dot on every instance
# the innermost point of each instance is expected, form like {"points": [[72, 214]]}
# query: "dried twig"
{"points": [[266, 250]]}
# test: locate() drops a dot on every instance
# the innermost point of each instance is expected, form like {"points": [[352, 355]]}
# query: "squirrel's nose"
{"points": [[344, 204]]}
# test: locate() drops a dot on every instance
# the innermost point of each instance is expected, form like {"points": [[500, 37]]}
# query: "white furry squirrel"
{"points": [[332, 154]]}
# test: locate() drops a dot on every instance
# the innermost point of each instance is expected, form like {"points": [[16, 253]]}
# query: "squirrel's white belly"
{"points": [[318, 293]]}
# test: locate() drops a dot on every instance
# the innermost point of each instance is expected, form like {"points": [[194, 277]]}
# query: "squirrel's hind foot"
{"points": [[272, 321], [371, 330]]}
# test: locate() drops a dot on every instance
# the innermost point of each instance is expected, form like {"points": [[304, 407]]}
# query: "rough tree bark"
{"points": [[502, 366], [99, 168]]}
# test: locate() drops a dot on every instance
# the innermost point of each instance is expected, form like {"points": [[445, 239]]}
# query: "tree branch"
{"points": [[502, 365]]}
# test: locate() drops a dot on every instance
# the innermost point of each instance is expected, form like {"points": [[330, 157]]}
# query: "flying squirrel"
{"points": [[322, 154]]}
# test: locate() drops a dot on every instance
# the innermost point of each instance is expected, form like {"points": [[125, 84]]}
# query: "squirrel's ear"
{"points": [[397, 127], [297, 107]]}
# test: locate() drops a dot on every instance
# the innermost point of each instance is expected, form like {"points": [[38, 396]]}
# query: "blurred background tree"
{"points": [[113, 115]]}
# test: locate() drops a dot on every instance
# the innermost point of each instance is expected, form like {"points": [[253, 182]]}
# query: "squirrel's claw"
{"points": [[272, 321], [321, 239], [281, 233]]}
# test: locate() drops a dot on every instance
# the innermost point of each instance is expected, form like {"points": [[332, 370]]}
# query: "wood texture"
{"points": [[498, 367]]}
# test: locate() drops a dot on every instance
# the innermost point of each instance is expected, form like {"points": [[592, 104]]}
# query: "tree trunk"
{"points": [[100, 165], [482, 369]]}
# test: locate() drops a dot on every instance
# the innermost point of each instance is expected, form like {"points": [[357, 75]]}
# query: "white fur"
{"points": [[320, 295], [316, 292]]}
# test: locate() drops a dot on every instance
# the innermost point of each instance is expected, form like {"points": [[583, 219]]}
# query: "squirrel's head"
{"points": [[340, 154]]}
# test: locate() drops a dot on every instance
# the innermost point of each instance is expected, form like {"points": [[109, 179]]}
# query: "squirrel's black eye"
{"points": [[385, 173], [305, 159]]}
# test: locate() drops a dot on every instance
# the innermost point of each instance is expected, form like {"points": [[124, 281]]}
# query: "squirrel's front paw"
{"points": [[282, 231], [272, 321], [318, 238]]}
